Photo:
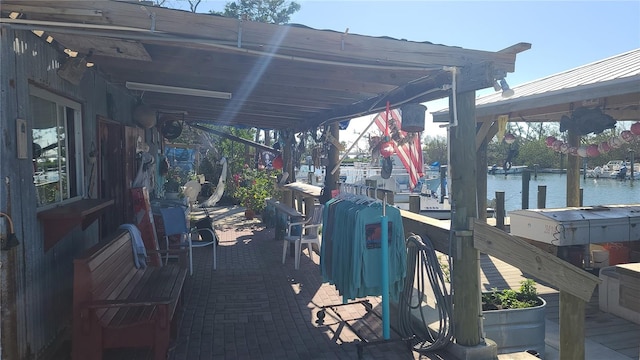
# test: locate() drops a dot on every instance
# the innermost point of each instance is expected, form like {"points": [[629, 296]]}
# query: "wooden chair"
{"points": [[309, 234]]}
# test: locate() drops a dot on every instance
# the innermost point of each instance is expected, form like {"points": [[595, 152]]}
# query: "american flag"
{"points": [[410, 153]]}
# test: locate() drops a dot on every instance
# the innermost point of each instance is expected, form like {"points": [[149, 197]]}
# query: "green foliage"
{"points": [[435, 149], [266, 11], [536, 152], [526, 296], [444, 265], [253, 186], [176, 178]]}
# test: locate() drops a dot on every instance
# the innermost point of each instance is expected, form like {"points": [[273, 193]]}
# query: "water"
{"points": [[595, 191]]}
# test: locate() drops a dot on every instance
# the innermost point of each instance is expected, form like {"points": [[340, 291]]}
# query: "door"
{"points": [[111, 184]]}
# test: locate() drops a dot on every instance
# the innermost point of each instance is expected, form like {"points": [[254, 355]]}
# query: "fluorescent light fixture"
{"points": [[177, 90]]}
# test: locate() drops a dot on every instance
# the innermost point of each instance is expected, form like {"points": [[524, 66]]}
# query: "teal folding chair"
{"points": [[175, 224]]}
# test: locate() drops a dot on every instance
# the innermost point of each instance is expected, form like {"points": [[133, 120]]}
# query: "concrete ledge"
{"points": [[486, 351]]}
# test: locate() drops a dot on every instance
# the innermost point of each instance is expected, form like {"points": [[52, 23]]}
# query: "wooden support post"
{"points": [[466, 270], [309, 203], [388, 193], [500, 210], [267, 137], [414, 203], [542, 196], [287, 197], [526, 178], [573, 171], [443, 178], [481, 179], [299, 202], [571, 326], [571, 310], [371, 184], [331, 180]]}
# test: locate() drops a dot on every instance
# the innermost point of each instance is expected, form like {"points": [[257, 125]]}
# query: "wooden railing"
{"points": [[576, 286]]}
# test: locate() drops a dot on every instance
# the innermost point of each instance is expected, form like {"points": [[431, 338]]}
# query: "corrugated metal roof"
{"points": [[619, 69], [616, 67]]}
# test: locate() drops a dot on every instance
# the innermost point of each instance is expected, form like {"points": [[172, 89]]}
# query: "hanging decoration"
{"points": [[170, 126], [386, 148], [509, 138], [512, 152], [585, 121], [144, 116], [405, 145], [277, 163], [502, 126], [595, 150]]}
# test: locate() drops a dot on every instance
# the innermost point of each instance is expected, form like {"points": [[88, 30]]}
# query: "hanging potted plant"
{"points": [[515, 319]]}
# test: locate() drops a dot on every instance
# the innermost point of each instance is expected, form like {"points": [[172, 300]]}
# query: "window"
{"points": [[57, 147]]}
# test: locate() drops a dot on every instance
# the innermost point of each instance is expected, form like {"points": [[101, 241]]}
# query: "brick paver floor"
{"points": [[254, 307]]}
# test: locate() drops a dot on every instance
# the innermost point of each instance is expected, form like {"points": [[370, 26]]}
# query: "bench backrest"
{"points": [[103, 271]]}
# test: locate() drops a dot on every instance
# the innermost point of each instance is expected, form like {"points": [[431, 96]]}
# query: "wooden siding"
{"points": [[43, 280]]}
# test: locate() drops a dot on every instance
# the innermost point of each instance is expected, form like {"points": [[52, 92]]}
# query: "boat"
{"points": [[434, 202], [624, 172], [497, 170], [615, 169]]}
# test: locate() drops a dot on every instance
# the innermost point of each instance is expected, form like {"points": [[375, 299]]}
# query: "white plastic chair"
{"points": [[175, 224], [309, 234]]}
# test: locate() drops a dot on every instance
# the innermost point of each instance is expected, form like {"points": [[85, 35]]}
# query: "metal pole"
{"points": [[384, 246], [333, 171]]}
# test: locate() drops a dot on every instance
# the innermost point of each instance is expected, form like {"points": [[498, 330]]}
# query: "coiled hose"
{"points": [[421, 260]]}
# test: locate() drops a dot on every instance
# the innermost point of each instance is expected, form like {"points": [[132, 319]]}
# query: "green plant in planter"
{"points": [[176, 178], [526, 296], [252, 187]]}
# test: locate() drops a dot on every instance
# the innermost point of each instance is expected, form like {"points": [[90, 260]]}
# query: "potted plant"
{"points": [[515, 319], [252, 187], [176, 178]]}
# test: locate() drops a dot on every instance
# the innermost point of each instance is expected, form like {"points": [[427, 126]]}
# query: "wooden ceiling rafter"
{"points": [[303, 77]]}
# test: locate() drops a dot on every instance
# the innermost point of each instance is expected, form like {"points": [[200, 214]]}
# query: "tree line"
{"points": [[531, 147]]}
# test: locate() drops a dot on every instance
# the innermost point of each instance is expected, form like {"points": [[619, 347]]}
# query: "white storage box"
{"points": [[578, 225]]}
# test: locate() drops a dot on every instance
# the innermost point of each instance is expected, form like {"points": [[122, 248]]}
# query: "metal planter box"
{"points": [[577, 225], [516, 330]]}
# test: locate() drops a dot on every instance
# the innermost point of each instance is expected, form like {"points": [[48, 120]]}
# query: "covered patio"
{"points": [[254, 307], [204, 69]]}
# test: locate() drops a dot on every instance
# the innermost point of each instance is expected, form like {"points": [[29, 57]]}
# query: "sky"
{"points": [[563, 34]]}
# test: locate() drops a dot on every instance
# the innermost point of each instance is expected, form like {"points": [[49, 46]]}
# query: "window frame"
{"points": [[77, 139]]}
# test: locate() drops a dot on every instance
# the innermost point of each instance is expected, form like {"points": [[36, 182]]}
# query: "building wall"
{"points": [[37, 285]]}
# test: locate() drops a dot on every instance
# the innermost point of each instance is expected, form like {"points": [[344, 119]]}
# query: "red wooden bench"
{"points": [[118, 305]]}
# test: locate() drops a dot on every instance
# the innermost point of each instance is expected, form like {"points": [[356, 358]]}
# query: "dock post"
{"points": [[526, 178], [414, 203], [500, 214], [542, 196]]}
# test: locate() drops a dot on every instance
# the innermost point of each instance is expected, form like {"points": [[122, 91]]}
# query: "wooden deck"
{"points": [[607, 336]]}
